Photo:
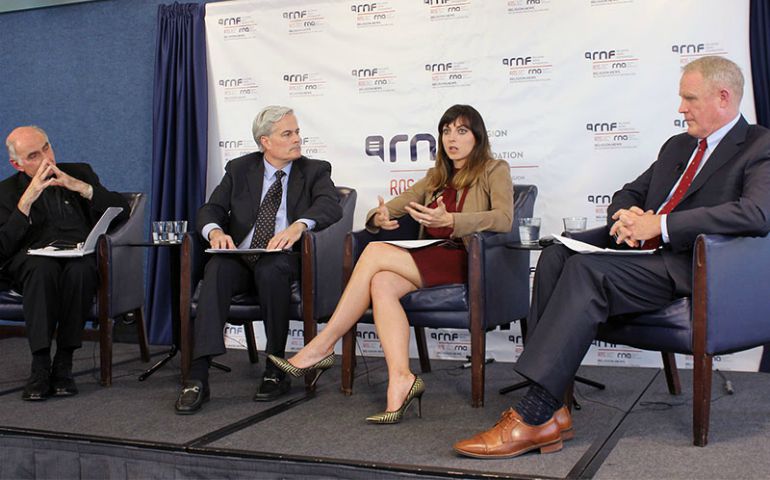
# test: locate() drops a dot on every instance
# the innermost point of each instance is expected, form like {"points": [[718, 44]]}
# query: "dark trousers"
{"points": [[58, 296], [228, 275], [573, 294]]}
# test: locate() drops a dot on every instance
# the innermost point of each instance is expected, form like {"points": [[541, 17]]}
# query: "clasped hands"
{"points": [[282, 240], [634, 225], [47, 175], [429, 217]]}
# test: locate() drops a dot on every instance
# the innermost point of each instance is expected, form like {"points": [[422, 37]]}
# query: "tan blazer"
{"points": [[488, 206]]}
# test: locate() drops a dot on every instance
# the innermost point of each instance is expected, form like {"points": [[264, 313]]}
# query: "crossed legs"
{"points": [[382, 275]]}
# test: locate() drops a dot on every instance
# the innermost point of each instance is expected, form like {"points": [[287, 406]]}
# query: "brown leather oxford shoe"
{"points": [[564, 421], [511, 437]]}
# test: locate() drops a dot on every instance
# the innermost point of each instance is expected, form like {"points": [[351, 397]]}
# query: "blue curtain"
{"points": [[759, 42], [179, 143]]}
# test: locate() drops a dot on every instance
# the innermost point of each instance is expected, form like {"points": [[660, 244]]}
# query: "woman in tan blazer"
{"points": [[467, 191]]}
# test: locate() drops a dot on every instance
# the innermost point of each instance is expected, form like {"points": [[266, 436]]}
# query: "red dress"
{"points": [[443, 263]]}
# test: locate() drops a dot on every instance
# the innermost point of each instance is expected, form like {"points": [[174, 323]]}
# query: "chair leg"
{"points": [[701, 401], [422, 349], [251, 343], [672, 374], [348, 360], [105, 349], [142, 334], [478, 364]]}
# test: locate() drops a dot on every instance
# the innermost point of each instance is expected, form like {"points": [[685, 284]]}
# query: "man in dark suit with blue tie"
{"points": [[266, 199], [713, 179]]}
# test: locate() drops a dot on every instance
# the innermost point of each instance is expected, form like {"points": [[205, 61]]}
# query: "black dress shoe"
{"points": [[62, 381], [38, 386], [192, 396], [272, 387]]}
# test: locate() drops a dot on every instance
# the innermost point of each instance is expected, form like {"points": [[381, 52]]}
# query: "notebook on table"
{"points": [[84, 248]]}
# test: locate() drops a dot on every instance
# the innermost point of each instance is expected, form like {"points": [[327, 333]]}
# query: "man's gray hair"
{"points": [[265, 120], [719, 72], [12, 148]]}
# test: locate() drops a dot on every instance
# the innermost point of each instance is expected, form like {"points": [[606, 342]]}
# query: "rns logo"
{"points": [[364, 72], [375, 146], [688, 48], [229, 22], [438, 67], [600, 55], [297, 14], [295, 77], [517, 61], [363, 7], [601, 127]]}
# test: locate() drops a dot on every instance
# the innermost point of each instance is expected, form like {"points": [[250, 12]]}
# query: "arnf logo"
{"points": [[600, 55], [364, 72], [363, 7], [686, 48], [375, 146], [517, 61], [438, 67], [230, 22], [599, 199], [370, 335], [436, 2], [230, 144], [295, 15], [601, 127], [679, 123], [444, 336], [231, 82], [296, 77]]}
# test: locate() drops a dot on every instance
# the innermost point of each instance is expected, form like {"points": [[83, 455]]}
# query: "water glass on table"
{"points": [[574, 224], [529, 230]]}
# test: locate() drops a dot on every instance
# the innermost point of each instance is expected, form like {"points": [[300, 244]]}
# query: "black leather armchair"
{"points": [[313, 297], [497, 291], [120, 292], [727, 313]]}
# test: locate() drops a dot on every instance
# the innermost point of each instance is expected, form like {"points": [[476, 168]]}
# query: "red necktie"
{"points": [[681, 189]]}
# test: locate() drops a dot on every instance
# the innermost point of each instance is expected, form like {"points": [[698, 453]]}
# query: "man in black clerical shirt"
{"points": [[46, 202]]}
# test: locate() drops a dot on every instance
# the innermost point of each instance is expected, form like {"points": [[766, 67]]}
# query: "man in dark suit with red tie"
{"points": [[713, 179], [265, 200]]}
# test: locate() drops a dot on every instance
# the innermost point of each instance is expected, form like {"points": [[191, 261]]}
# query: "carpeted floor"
{"points": [[633, 429]]}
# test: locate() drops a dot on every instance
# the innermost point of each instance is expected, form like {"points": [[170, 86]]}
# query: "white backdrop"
{"points": [[577, 95]]}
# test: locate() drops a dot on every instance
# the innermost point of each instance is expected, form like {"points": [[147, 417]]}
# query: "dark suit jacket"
{"points": [[234, 203], [730, 195], [18, 232]]}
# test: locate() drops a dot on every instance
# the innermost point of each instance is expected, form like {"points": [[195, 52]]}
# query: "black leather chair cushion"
{"points": [[245, 306], [444, 297], [668, 329]]}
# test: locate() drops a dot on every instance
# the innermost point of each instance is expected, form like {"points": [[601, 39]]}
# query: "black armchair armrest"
{"points": [[322, 255], [730, 279], [121, 266]]}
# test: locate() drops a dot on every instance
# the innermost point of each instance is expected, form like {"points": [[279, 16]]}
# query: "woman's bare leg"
{"points": [[377, 257], [393, 330]]}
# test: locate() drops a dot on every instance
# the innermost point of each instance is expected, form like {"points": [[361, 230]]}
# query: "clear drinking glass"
{"points": [[574, 224], [529, 230]]}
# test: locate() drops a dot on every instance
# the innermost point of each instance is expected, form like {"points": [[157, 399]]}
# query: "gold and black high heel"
{"points": [[320, 367], [418, 388]]}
